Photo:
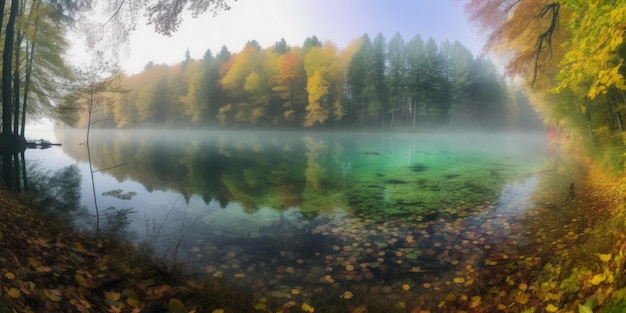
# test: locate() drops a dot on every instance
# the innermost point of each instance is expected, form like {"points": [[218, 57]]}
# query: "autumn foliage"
{"points": [[370, 83], [571, 55]]}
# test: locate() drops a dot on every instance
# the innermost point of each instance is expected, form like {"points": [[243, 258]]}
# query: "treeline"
{"points": [[371, 83]]}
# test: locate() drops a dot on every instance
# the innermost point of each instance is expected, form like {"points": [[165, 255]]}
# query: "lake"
{"points": [[306, 215]]}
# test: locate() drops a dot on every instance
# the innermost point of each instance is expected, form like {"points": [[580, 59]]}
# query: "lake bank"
{"points": [[45, 267]]}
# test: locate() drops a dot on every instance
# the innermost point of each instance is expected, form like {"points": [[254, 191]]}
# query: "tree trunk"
{"points": [[7, 106], [29, 70], [16, 84], [30, 55]]}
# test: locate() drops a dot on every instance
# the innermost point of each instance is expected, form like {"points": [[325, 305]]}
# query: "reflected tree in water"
{"points": [[55, 192]]}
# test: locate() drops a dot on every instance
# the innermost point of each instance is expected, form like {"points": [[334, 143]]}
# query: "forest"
{"points": [[370, 84]]}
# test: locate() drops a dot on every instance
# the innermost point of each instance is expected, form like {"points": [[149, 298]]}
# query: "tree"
{"points": [[42, 69], [90, 97], [574, 50], [281, 47], [165, 15], [64, 10], [324, 85], [376, 75], [460, 63], [395, 81], [291, 84], [359, 79]]}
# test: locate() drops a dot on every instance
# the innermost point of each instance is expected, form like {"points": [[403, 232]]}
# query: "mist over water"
{"points": [[268, 208]]}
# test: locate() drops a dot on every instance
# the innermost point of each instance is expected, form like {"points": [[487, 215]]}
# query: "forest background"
{"points": [[369, 84]]}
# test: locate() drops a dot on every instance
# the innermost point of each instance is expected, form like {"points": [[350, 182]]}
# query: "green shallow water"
{"points": [[308, 216]]}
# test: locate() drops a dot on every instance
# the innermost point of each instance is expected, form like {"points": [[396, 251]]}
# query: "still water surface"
{"points": [[312, 215]]}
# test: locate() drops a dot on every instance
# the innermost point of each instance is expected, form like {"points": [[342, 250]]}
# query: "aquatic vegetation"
{"points": [[118, 193], [418, 168]]}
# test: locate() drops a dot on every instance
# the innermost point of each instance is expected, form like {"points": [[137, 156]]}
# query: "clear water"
{"points": [[311, 215]]}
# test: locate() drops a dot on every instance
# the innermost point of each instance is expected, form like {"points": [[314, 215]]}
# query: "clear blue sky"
{"points": [[339, 21]]}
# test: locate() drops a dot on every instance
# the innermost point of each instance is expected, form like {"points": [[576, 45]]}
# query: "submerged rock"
{"points": [[396, 182], [418, 167]]}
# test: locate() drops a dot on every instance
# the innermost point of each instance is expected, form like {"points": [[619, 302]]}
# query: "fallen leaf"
{"points": [[347, 295], [551, 308], [44, 269], [476, 300], [584, 309], [53, 295], [597, 279], [133, 302], [604, 257], [14, 293], [112, 296], [176, 306]]}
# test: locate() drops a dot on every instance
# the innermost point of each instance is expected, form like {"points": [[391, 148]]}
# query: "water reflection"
{"points": [[314, 173], [323, 213]]}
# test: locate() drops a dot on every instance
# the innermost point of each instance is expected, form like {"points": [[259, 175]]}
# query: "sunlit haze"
{"points": [[270, 20]]}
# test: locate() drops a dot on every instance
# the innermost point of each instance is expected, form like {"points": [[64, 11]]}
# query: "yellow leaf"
{"points": [[347, 295], [53, 295], [112, 296], [604, 257], [307, 307], [218, 311], [476, 300], [597, 279], [9, 275], [459, 280], [133, 302], [551, 308], [501, 307], [14, 293]]}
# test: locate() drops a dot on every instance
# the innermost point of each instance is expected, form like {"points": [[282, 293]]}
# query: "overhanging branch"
{"points": [[545, 38]]}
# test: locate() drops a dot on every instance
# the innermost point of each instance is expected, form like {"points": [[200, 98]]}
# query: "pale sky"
{"points": [[267, 21]]}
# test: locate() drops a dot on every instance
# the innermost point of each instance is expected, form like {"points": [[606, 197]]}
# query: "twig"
{"points": [[110, 168]]}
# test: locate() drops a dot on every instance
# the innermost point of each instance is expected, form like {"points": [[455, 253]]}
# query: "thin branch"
{"points": [[110, 168], [546, 36], [115, 13]]}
